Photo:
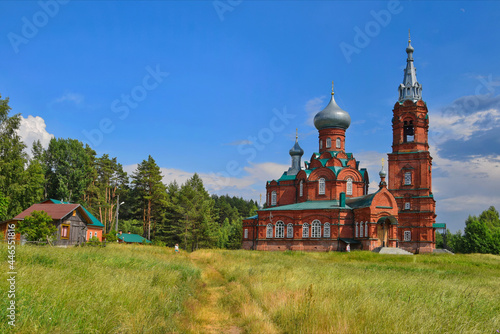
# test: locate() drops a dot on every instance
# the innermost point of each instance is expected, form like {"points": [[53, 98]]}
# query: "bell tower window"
{"points": [[407, 178], [328, 143], [408, 132], [337, 144]]}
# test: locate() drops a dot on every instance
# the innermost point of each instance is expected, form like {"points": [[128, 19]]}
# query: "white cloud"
{"points": [[32, 129], [249, 185], [240, 142], [313, 106], [460, 126], [70, 97]]}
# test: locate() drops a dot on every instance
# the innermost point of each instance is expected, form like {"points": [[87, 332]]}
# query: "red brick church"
{"points": [[325, 206]]}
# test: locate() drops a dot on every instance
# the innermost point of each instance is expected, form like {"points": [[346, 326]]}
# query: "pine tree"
{"points": [[149, 196]]}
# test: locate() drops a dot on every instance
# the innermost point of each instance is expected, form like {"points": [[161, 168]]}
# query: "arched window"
{"points": [[269, 231], [316, 229], [356, 231], [305, 230], [273, 198], [326, 230], [348, 189], [321, 189], [366, 229], [320, 144], [301, 188], [289, 230], [328, 143], [408, 132], [280, 230], [337, 144], [407, 236], [361, 229]]}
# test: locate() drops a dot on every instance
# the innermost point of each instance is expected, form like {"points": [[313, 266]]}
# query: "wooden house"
{"points": [[75, 225]]}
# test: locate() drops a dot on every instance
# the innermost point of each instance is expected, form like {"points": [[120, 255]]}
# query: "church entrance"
{"points": [[383, 230]]}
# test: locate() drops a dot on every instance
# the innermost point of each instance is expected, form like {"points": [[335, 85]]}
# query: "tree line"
{"points": [[481, 235], [72, 172]]}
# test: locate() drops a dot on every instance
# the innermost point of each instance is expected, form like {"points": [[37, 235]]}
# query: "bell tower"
{"points": [[410, 164]]}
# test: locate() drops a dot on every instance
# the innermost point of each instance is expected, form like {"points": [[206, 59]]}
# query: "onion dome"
{"points": [[332, 117], [382, 173], [296, 149]]}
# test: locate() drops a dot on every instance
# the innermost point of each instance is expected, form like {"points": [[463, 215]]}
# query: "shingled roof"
{"points": [[56, 211]]}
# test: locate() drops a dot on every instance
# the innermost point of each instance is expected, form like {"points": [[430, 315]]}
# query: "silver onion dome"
{"points": [[296, 149], [382, 172], [332, 117]]}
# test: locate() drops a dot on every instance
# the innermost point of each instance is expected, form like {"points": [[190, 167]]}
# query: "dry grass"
{"points": [[145, 289], [360, 292], [116, 289]]}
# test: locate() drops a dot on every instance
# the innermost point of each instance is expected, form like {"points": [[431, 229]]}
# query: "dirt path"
{"points": [[208, 315], [222, 305]]}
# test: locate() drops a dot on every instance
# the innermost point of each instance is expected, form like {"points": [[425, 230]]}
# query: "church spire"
{"points": [[296, 153], [410, 89]]}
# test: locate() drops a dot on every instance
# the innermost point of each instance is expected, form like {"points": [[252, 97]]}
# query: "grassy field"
{"points": [[146, 289]]}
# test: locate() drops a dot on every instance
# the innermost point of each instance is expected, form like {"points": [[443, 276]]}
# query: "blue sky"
{"points": [[219, 87]]}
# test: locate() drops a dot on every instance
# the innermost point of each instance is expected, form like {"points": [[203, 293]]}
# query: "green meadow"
{"points": [[147, 289]]}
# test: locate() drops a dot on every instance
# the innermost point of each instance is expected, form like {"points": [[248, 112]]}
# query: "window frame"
{"points": [[301, 188], [245, 234], [321, 186], [305, 230], [274, 198], [338, 143], [65, 227], [366, 229], [407, 178], [269, 231], [279, 230], [361, 230], [356, 233], [407, 206], [348, 186], [407, 236], [326, 230], [328, 142], [316, 229], [289, 230]]}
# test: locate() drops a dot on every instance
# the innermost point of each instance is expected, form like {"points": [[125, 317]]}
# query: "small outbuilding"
{"points": [[131, 238]]}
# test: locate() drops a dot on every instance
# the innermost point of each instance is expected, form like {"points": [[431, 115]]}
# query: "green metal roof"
{"points": [[323, 161], [286, 177], [132, 238], [363, 172], [344, 162], [361, 201], [253, 217], [336, 169], [308, 205], [95, 221]]}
